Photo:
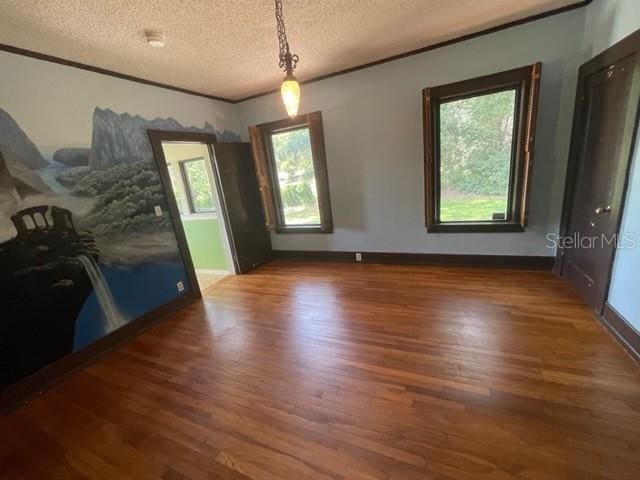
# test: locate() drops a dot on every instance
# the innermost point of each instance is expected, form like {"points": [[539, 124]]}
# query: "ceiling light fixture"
{"points": [[154, 38], [290, 88]]}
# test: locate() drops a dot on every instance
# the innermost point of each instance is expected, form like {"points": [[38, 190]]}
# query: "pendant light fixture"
{"points": [[290, 88]]}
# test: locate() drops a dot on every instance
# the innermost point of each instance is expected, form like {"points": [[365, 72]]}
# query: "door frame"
{"points": [[621, 50], [157, 137]]}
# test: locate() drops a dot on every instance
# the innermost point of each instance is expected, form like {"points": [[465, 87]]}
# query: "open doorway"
{"points": [[214, 183], [187, 164], [192, 181]]}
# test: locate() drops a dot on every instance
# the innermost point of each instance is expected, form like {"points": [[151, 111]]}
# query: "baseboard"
{"points": [[325, 256], [624, 333], [502, 261], [35, 384], [212, 272]]}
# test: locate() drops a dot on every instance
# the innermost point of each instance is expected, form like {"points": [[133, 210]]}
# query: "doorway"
{"points": [[214, 204], [605, 121], [194, 189]]}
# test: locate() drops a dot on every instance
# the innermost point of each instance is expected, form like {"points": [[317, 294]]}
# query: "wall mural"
{"points": [[81, 250]]}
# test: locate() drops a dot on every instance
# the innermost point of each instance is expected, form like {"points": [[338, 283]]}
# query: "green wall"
{"points": [[205, 243]]}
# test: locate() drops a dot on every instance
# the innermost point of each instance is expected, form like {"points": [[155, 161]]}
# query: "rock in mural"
{"points": [[44, 284], [73, 157], [82, 251]]}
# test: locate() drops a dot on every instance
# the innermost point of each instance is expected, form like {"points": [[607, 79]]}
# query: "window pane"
{"points": [[199, 187], [174, 185], [476, 137], [296, 177]]}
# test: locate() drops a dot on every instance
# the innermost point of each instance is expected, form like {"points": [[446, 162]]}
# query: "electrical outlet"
{"points": [[180, 286], [358, 257], [158, 210]]}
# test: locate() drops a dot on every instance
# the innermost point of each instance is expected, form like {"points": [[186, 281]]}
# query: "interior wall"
{"points": [[623, 292], [609, 21], [373, 134], [74, 146], [205, 242]]}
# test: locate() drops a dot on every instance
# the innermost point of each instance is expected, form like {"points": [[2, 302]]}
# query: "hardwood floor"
{"points": [[353, 372], [208, 280]]}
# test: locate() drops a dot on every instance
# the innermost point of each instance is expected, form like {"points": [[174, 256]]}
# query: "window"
{"points": [[176, 190], [478, 152], [197, 186], [292, 172]]}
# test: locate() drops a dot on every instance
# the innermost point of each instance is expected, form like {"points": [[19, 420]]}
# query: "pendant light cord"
{"points": [[288, 62]]}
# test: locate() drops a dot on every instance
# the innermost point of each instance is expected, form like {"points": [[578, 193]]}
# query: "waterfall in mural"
{"points": [[103, 294]]}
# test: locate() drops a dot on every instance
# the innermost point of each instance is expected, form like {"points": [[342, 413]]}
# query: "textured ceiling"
{"points": [[228, 48]]}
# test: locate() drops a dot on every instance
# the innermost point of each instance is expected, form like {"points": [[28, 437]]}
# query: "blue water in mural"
{"points": [[135, 290], [49, 173]]}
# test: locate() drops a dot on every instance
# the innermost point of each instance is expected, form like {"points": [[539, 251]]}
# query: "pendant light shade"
{"points": [[290, 88], [290, 91]]}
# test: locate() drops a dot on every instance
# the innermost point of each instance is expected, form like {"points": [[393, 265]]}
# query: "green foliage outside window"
{"points": [[297, 195], [174, 186], [476, 136], [199, 187], [296, 177]]}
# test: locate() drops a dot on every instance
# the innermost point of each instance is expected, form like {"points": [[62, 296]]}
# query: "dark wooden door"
{"points": [[238, 184], [602, 145]]}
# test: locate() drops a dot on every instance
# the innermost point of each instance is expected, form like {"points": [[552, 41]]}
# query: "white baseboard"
{"points": [[212, 272]]}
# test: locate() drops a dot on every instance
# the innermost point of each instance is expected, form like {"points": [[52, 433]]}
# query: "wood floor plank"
{"points": [[304, 370]]}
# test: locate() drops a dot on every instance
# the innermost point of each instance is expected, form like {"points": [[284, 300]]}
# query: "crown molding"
{"points": [[417, 51], [434, 46], [91, 68]]}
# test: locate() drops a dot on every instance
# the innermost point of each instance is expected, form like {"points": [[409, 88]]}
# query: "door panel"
{"points": [[609, 103], [238, 185]]}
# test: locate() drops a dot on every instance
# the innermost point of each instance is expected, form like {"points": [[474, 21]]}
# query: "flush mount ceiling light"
{"points": [[290, 88], [154, 38]]}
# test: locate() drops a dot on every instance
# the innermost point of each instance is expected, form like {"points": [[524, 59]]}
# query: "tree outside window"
{"points": [[198, 186]]}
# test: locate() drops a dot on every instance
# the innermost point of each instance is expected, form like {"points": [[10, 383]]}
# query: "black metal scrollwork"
{"points": [[288, 62]]}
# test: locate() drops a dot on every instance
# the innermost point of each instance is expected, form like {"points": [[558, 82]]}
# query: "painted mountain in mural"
{"points": [[18, 147], [82, 251], [122, 138], [10, 187], [44, 281], [20, 159]]}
